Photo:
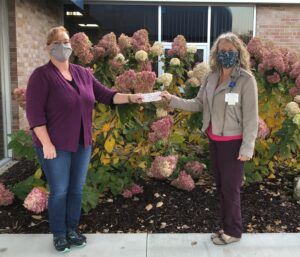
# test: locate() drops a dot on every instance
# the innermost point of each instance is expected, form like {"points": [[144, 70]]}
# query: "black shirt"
{"points": [[81, 137]]}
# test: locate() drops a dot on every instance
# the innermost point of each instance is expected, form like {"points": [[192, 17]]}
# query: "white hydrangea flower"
{"points": [[160, 112], [192, 49], [141, 56], [200, 71], [292, 108], [165, 79], [157, 49], [165, 169], [194, 82], [174, 62], [190, 73], [296, 119], [297, 99], [120, 58]]}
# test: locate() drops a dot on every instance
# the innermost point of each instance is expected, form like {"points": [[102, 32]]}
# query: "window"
{"points": [[113, 18], [189, 21], [235, 19]]}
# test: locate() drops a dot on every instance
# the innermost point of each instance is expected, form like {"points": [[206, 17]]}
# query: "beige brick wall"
{"points": [[279, 23], [32, 20]]}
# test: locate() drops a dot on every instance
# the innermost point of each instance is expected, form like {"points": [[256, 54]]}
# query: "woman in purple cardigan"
{"points": [[59, 101]]}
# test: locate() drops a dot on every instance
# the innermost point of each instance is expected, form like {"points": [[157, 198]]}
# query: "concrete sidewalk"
{"points": [[154, 245]]}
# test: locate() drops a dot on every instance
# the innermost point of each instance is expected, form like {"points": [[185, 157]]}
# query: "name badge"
{"points": [[232, 98]]}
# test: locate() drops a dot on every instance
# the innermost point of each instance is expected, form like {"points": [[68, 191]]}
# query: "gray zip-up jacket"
{"points": [[227, 120]]}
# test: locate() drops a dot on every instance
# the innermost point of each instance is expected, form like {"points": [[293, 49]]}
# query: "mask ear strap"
{"points": [[238, 61]]}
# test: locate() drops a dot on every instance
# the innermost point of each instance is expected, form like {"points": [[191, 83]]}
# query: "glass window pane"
{"points": [[235, 19], [189, 21], [114, 18]]}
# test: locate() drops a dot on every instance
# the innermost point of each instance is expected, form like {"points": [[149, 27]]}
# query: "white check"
{"points": [[151, 97]]}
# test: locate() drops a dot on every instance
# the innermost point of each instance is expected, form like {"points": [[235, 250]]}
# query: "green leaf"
{"points": [[90, 198], [176, 138], [125, 112], [23, 188]]}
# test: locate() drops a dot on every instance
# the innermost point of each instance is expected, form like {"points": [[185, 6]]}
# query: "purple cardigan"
{"points": [[52, 101]]}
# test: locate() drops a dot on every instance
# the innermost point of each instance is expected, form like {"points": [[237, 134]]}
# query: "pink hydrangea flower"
{"points": [[6, 196], [289, 59], [194, 168], [294, 91], [81, 46], [161, 129], [116, 65], [256, 49], [162, 167], [127, 193], [109, 43], [140, 41], [274, 78], [137, 189], [140, 82], [145, 81], [263, 130], [124, 42], [126, 81], [98, 51], [184, 181], [297, 81], [179, 47], [19, 95], [37, 200], [261, 68], [295, 72], [273, 60], [133, 190], [145, 66]]}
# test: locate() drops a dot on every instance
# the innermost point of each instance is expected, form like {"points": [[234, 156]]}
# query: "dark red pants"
{"points": [[228, 174]]}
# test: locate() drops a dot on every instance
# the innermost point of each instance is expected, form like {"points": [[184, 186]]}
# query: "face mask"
{"points": [[60, 51], [228, 59]]}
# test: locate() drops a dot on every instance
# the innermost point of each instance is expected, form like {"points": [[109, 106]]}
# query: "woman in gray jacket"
{"points": [[229, 102]]}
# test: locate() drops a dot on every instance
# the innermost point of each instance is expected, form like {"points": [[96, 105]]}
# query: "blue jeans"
{"points": [[66, 176]]}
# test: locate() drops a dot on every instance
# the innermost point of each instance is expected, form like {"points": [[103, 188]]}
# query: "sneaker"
{"points": [[61, 244], [76, 239]]}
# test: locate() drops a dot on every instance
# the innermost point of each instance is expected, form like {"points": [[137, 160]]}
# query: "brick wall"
{"points": [[29, 21], [279, 23]]}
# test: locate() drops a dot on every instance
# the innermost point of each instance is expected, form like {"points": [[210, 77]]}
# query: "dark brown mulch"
{"points": [[266, 207]]}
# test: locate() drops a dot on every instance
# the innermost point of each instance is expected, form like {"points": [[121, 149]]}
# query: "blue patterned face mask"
{"points": [[228, 59]]}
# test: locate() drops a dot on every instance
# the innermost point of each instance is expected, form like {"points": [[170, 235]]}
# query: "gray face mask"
{"points": [[60, 51]]}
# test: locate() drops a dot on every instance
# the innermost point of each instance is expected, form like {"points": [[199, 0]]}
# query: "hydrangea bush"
{"points": [[277, 72], [139, 140], [153, 141]]}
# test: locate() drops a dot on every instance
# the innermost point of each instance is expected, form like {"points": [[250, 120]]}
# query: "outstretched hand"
{"points": [[166, 96], [135, 98]]}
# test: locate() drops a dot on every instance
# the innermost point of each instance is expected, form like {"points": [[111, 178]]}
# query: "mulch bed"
{"points": [[266, 207]]}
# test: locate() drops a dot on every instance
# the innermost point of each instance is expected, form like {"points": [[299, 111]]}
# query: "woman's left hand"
{"points": [[243, 158], [135, 98]]}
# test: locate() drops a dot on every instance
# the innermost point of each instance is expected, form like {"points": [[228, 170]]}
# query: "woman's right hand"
{"points": [[49, 151], [166, 96]]}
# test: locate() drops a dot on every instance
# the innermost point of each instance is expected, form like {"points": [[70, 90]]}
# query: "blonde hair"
{"points": [[244, 57], [52, 33]]}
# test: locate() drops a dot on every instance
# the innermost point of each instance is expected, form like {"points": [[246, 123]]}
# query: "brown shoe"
{"points": [[224, 239]]}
